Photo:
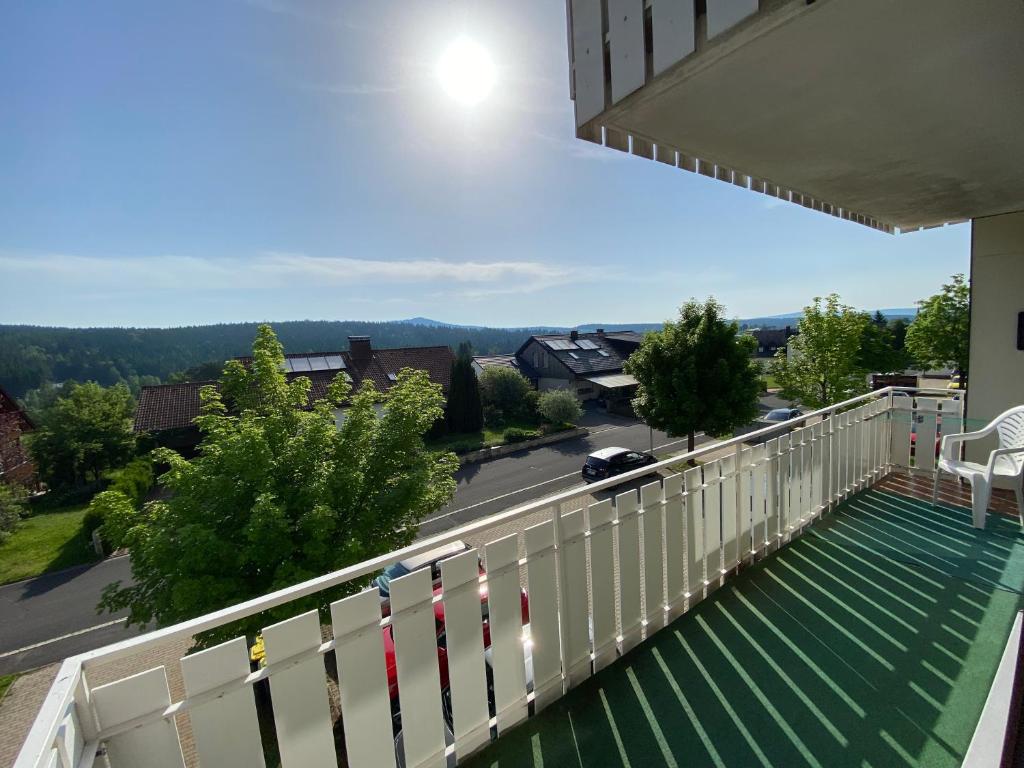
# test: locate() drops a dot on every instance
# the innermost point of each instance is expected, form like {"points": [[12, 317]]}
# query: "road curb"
{"points": [[497, 451]]}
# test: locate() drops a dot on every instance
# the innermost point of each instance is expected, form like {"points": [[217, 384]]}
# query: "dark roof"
{"points": [[9, 405], [602, 357], [772, 337], [174, 406], [168, 406], [508, 361]]}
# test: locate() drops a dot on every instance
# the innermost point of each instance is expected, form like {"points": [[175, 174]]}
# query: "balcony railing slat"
{"points": [[419, 683], [576, 643], [155, 744], [505, 615], [302, 716], [628, 554], [363, 681], [226, 730], [730, 527], [544, 628], [675, 542], [713, 522], [652, 524], [602, 581], [460, 583], [695, 573]]}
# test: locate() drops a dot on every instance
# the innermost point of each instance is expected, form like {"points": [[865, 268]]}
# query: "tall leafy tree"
{"points": [[279, 494], [878, 351], [696, 374], [85, 431], [465, 411], [941, 333], [823, 364]]}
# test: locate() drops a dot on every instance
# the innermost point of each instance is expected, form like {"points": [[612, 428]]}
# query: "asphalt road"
{"points": [[54, 616]]}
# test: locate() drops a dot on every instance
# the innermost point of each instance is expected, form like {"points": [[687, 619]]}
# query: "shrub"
{"points": [[134, 480], [108, 505], [12, 507], [560, 406], [518, 435], [505, 394]]}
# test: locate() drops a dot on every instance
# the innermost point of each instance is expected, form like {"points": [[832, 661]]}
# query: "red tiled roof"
{"points": [[174, 406], [168, 406]]}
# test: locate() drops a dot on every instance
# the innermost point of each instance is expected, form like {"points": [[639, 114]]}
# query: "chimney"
{"points": [[574, 335], [359, 348], [600, 332]]}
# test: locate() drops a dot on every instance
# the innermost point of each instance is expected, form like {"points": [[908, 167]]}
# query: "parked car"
{"points": [[431, 559], [778, 415], [609, 462]]}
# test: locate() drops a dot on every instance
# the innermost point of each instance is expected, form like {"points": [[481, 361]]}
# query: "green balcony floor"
{"points": [[871, 640]]}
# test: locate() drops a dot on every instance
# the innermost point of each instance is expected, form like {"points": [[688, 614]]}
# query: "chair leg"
{"points": [[1019, 493], [980, 494]]}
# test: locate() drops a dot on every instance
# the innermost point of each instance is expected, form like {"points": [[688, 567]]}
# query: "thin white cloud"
{"points": [[271, 270]]}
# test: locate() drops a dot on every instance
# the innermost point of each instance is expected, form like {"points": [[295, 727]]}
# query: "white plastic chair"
{"points": [[1006, 461]]}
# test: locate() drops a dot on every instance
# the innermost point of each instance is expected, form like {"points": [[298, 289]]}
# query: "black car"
{"points": [[609, 462]]}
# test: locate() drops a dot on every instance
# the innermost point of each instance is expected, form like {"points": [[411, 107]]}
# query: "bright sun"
{"points": [[466, 71]]}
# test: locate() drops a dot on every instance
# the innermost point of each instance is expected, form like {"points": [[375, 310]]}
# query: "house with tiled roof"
{"points": [[167, 411], [15, 464], [587, 364]]}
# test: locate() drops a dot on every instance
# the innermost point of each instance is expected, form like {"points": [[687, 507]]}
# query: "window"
{"points": [[392, 377], [602, 353]]}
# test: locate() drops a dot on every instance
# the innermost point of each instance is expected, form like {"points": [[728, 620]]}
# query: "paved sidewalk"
{"points": [[19, 707]]}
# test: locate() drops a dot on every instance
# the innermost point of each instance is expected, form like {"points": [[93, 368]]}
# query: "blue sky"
{"points": [[194, 162]]}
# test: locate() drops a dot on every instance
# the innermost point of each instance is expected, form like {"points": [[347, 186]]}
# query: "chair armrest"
{"points": [[965, 436], [1001, 452]]}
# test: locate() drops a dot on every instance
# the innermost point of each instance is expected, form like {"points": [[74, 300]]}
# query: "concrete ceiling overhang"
{"points": [[909, 112]]}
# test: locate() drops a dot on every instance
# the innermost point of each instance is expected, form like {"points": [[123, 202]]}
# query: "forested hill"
{"points": [[32, 355]]}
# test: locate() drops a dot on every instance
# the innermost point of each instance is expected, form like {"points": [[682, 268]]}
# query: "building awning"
{"points": [[612, 380]]}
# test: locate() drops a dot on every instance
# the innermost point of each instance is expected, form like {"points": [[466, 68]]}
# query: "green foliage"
{"points": [[505, 394], [696, 374], [940, 334], [518, 435], [279, 494], [206, 371], [134, 480], [12, 508], [559, 406], [878, 352], [86, 431], [823, 365], [464, 412]]}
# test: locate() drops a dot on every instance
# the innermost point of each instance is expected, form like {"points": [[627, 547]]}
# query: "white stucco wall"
{"points": [[997, 294]]}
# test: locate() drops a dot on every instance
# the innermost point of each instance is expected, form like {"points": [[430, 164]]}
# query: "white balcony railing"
{"points": [[599, 575]]}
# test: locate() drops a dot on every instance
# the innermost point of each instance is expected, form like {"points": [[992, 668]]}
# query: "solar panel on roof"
{"points": [[286, 366], [586, 344], [318, 363], [299, 364], [602, 353], [335, 362], [560, 344], [392, 377]]}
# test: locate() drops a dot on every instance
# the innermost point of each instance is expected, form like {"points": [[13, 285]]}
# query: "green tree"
{"points": [[505, 394], [208, 371], [940, 335], [87, 430], [464, 411], [823, 365], [279, 494], [696, 374], [878, 351], [559, 406], [12, 507]]}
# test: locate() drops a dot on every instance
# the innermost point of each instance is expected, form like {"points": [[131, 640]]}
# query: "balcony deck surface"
{"points": [[870, 640]]}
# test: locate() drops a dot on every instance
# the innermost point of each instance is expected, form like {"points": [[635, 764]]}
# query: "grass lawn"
{"points": [[48, 541], [772, 383], [5, 683], [485, 438]]}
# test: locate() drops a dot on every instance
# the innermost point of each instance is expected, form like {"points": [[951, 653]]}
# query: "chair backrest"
{"points": [[1010, 427]]}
